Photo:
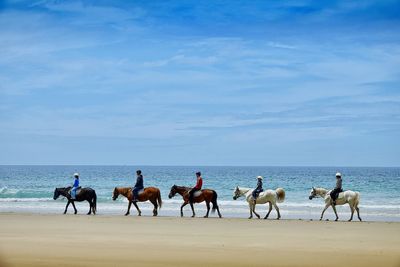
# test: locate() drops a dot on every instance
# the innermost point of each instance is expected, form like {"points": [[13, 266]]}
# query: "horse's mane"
{"points": [[125, 189], [64, 188], [182, 187]]}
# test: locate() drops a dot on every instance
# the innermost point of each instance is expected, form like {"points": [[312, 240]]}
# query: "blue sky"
{"points": [[200, 82]]}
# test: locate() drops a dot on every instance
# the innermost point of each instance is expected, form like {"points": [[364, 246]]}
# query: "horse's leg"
{"points": [[358, 213], [137, 208], [334, 209], [129, 208], [277, 210], [269, 211], [90, 207], [219, 213], [66, 207], [326, 207], [208, 209], [251, 210], [254, 211], [194, 214], [154, 202], [73, 205], [352, 212], [183, 205]]}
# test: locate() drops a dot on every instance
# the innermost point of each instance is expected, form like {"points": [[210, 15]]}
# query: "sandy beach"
{"points": [[58, 240]]}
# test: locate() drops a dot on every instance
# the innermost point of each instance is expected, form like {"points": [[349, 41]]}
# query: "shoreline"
{"points": [[50, 240]]}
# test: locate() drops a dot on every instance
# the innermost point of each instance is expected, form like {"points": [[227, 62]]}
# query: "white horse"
{"points": [[350, 197], [267, 196]]}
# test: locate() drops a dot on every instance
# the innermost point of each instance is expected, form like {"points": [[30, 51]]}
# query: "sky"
{"points": [[235, 83]]}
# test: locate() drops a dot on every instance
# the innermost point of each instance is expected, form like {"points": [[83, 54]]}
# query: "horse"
{"points": [[350, 197], [87, 194], [206, 195], [268, 196], [152, 194]]}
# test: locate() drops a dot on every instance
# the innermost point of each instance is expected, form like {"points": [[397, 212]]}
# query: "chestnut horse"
{"points": [[149, 193], [206, 195]]}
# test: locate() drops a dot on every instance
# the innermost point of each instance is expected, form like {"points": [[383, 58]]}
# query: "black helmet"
{"points": [[138, 172], [198, 173]]}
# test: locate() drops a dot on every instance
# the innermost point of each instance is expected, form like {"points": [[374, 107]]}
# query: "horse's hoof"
{"points": [[126, 214], [336, 220], [205, 216], [250, 218], [265, 217], [278, 218], [88, 213]]}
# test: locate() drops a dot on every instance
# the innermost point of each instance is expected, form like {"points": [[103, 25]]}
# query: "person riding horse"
{"points": [[196, 188], [338, 188], [258, 189], [75, 186], [138, 186]]}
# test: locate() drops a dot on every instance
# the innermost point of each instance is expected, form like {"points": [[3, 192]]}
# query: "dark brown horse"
{"points": [[85, 194], [149, 193], [206, 195]]}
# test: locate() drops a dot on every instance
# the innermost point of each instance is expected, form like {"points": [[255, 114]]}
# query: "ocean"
{"points": [[30, 189]]}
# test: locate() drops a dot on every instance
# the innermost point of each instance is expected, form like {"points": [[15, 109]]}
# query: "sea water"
{"points": [[30, 189]]}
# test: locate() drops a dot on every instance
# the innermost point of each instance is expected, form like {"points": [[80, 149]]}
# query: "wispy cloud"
{"points": [[225, 77]]}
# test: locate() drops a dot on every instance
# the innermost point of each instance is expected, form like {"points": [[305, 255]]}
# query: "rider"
{"points": [[338, 188], [259, 188], [138, 186], [75, 186], [196, 188]]}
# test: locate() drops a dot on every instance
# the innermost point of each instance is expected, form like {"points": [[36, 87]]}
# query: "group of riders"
{"points": [[139, 186]]}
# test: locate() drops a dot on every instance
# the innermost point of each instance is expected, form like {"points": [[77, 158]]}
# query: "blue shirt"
{"points": [[76, 183]]}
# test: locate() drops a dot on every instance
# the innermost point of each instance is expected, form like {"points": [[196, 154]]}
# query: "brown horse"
{"points": [[149, 193], [206, 195]]}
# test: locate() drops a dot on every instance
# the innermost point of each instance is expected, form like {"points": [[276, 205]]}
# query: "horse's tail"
{"points": [[159, 200], [280, 193], [94, 202], [214, 201]]}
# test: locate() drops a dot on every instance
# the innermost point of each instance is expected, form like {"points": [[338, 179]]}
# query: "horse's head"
{"points": [[172, 192], [115, 194], [313, 193], [56, 193], [236, 193]]}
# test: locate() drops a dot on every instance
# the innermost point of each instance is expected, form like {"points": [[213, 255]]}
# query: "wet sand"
{"points": [[80, 240]]}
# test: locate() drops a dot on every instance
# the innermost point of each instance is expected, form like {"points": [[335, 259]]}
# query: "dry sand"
{"points": [[68, 240]]}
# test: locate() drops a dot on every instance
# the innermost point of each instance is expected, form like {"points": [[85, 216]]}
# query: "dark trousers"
{"points": [[256, 192], [135, 192], [335, 193], [191, 194]]}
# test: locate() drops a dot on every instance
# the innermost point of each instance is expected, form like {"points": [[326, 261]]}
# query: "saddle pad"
{"points": [[141, 192], [197, 193]]}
